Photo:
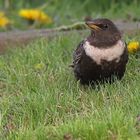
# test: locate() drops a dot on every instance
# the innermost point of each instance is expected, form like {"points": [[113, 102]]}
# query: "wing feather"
{"points": [[77, 56]]}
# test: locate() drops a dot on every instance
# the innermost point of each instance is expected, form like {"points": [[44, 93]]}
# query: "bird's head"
{"points": [[104, 33]]}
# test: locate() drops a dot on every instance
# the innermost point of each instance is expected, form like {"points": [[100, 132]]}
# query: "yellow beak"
{"points": [[93, 25]]}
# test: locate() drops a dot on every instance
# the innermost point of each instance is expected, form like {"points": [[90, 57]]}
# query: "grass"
{"points": [[47, 103]]}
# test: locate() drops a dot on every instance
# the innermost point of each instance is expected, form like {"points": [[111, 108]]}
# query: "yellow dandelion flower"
{"points": [[35, 15], [45, 18], [24, 13], [133, 46], [4, 21], [40, 66]]}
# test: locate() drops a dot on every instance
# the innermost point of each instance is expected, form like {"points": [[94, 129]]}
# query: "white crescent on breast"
{"points": [[108, 54]]}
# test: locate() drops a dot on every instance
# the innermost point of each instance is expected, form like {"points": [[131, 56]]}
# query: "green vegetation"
{"points": [[66, 12], [39, 96], [40, 99]]}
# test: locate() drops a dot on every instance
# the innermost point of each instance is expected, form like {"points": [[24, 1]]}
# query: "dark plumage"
{"points": [[102, 55]]}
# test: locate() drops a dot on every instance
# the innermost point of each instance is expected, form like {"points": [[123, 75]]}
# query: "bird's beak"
{"points": [[92, 25]]}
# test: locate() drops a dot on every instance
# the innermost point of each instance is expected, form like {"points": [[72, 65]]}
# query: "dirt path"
{"points": [[20, 38]]}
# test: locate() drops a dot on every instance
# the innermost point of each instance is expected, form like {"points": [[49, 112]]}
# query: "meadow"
{"points": [[40, 98]]}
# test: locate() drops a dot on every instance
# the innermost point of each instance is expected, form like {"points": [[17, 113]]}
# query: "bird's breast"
{"points": [[105, 54]]}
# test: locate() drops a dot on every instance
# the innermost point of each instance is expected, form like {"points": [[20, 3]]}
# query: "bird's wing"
{"points": [[77, 56]]}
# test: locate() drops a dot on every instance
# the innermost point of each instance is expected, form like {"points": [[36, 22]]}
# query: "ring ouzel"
{"points": [[102, 55]]}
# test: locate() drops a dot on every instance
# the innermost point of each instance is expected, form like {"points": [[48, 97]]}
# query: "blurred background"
{"points": [[30, 14]]}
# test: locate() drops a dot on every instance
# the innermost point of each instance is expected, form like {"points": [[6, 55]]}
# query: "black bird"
{"points": [[102, 55]]}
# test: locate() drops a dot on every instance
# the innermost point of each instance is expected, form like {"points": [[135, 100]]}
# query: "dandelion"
{"points": [[35, 15], [133, 46], [40, 66], [4, 21]]}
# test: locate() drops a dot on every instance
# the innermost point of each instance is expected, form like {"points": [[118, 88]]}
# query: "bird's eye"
{"points": [[105, 26]]}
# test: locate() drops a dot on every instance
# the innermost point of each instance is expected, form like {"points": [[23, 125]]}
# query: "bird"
{"points": [[102, 56]]}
